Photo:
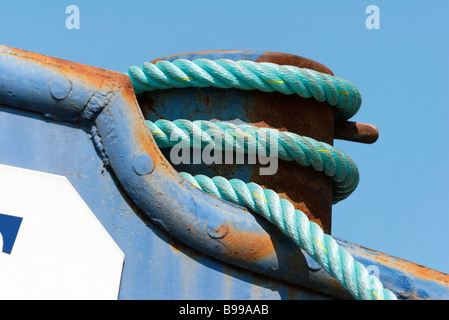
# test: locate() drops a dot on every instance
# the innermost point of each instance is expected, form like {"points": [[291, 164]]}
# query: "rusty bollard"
{"points": [[310, 191]]}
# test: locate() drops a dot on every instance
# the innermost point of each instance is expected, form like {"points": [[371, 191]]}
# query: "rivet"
{"points": [[143, 164], [216, 228], [60, 87]]}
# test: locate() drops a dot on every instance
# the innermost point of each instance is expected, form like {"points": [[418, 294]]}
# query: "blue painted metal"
{"points": [[179, 242], [143, 164], [9, 228], [60, 87]]}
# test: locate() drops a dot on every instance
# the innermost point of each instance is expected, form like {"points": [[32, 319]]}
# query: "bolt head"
{"points": [[60, 88], [143, 164]]}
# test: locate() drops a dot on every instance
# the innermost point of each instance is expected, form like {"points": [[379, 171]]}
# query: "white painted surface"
{"points": [[61, 250]]}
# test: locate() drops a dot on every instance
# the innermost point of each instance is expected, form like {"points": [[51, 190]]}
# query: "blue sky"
{"points": [[401, 205]]}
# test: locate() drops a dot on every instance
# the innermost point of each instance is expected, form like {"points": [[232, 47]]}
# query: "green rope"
{"points": [[248, 75], [269, 77], [336, 260], [244, 138]]}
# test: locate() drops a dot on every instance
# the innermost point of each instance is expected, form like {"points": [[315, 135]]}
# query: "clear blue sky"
{"points": [[401, 206]]}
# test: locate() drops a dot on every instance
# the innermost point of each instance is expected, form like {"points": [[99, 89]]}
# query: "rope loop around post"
{"points": [[270, 77], [248, 75]]}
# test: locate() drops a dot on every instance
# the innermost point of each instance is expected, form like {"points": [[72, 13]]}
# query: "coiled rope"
{"points": [[290, 147], [249, 75], [269, 77]]}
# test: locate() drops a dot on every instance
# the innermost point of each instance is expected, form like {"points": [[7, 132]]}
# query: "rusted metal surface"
{"points": [[293, 60], [88, 85], [310, 191], [409, 280], [355, 131]]}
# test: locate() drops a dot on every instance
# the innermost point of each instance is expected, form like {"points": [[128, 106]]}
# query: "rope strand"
{"points": [[336, 260], [247, 138], [248, 75]]}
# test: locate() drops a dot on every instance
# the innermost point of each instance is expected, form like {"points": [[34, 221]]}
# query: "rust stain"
{"points": [[293, 60], [357, 132], [310, 213], [221, 230], [102, 79], [144, 139], [173, 244], [247, 246], [96, 77], [406, 266], [308, 190]]}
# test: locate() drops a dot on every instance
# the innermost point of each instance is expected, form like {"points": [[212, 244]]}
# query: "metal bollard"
{"points": [[309, 190]]}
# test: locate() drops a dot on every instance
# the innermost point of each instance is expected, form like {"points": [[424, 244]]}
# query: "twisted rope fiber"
{"points": [[269, 77], [248, 75], [290, 147], [336, 260]]}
